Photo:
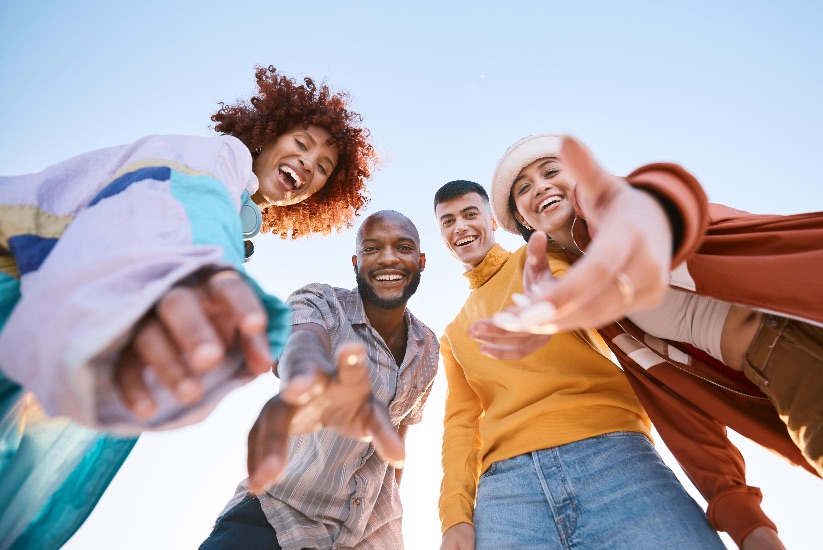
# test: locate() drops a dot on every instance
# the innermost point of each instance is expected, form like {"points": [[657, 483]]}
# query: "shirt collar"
{"points": [[486, 269]]}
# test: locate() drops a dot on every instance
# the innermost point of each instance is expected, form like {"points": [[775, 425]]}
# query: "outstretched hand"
{"points": [[312, 398], [625, 267], [187, 334]]}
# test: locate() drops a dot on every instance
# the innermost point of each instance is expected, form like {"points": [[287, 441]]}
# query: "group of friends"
{"points": [[124, 307]]}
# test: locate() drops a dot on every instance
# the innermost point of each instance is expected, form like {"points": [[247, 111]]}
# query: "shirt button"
{"points": [[356, 502]]}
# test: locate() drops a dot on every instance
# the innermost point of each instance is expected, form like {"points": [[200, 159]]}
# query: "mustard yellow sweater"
{"points": [[566, 391]]}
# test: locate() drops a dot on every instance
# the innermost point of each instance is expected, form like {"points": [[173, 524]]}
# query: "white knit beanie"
{"points": [[517, 157]]}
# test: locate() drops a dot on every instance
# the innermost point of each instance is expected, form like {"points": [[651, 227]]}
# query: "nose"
{"points": [[460, 225], [388, 256], [306, 162]]}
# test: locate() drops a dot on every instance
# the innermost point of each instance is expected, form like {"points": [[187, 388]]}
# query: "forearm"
{"points": [[307, 341]]}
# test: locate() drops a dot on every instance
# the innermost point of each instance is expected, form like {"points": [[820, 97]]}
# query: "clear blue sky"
{"points": [[730, 90]]}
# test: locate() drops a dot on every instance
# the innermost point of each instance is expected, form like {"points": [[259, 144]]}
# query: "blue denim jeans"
{"points": [[243, 526], [612, 491]]}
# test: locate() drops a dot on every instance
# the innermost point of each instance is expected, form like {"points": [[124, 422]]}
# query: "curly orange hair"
{"points": [[281, 104]]}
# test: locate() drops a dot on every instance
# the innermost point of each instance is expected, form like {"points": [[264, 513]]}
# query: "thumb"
{"points": [[594, 185], [351, 363], [537, 268], [536, 250]]}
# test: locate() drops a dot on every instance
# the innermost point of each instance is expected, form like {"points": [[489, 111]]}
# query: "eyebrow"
{"points": [[539, 166], [314, 142], [401, 239], [463, 211]]}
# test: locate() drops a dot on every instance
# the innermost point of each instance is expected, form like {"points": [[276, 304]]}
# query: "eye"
{"points": [[550, 173], [369, 248], [322, 169], [471, 215], [522, 189], [447, 223], [300, 144], [406, 248]]}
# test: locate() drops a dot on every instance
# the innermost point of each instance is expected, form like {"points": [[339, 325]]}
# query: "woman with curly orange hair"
{"points": [[288, 118], [123, 318]]}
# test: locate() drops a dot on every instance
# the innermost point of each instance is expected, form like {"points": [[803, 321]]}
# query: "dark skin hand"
{"points": [[316, 394], [187, 334]]}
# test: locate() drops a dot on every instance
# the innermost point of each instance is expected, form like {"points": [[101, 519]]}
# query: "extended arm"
{"points": [[627, 263], [317, 393], [152, 223]]}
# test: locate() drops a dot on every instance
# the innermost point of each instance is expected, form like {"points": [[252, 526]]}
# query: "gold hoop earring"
{"points": [[522, 221]]}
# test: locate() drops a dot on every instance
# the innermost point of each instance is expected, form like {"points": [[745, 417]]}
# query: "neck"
{"points": [[565, 238], [259, 199], [387, 322], [390, 324]]}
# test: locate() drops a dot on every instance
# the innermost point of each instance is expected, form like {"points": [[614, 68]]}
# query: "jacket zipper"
{"points": [[675, 365]]}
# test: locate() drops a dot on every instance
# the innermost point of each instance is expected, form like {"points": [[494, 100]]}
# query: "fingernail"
{"points": [[546, 328], [397, 464], [521, 300], [188, 390], [253, 322], [538, 313], [506, 320], [143, 407], [206, 355]]}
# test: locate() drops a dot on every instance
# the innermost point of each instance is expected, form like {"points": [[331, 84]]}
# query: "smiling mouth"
{"points": [[292, 178], [465, 241], [389, 278], [548, 202]]}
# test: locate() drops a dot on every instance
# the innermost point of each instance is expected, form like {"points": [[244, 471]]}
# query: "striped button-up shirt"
{"points": [[336, 492]]}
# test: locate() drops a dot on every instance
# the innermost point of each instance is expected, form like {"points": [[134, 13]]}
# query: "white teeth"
{"points": [[548, 202], [298, 181], [465, 241], [388, 277]]}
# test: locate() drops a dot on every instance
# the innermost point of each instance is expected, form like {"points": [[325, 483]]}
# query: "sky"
{"points": [[729, 90]]}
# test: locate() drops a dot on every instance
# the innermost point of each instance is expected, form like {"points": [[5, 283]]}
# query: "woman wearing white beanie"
{"points": [[730, 345]]}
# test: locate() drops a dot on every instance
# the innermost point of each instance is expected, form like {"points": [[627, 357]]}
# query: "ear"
{"points": [[494, 224], [354, 262], [422, 261], [520, 219]]}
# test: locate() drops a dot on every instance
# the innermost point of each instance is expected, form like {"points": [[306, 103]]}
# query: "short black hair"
{"points": [[458, 188]]}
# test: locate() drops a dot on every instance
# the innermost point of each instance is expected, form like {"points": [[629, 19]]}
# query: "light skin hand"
{"points": [[762, 538], [458, 537], [316, 395], [499, 343], [631, 239], [187, 334]]}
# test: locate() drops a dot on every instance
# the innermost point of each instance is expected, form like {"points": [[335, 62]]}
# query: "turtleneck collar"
{"points": [[486, 269]]}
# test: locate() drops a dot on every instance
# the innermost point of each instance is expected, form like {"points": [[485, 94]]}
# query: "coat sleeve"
{"points": [[461, 444], [684, 200], [131, 241], [702, 448]]}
